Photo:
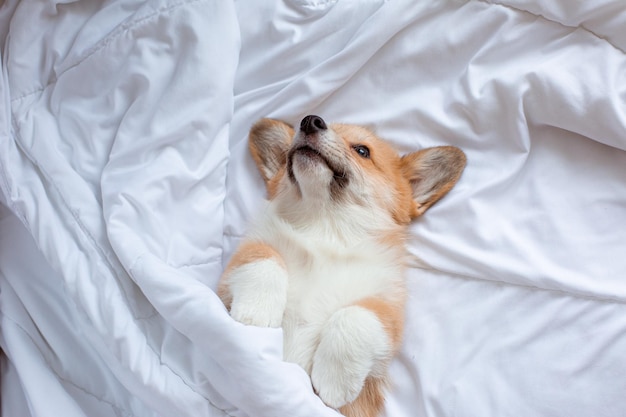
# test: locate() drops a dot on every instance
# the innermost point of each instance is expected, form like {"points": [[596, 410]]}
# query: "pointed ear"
{"points": [[269, 141], [432, 172]]}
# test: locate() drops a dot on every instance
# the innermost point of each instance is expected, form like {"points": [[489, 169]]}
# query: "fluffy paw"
{"points": [[333, 383], [352, 344], [257, 314], [259, 291]]}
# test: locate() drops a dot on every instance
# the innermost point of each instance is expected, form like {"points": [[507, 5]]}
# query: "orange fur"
{"points": [[273, 185], [251, 251], [418, 167], [370, 402], [268, 145], [390, 314]]}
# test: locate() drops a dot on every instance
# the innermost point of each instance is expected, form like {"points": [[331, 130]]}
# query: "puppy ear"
{"points": [[432, 172], [269, 141]]}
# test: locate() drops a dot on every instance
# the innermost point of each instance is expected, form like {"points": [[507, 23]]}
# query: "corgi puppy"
{"points": [[326, 259]]}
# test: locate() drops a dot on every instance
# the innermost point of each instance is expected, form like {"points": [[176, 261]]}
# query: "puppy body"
{"points": [[326, 259]]}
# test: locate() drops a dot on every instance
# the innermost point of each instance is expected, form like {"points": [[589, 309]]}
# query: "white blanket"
{"points": [[126, 187]]}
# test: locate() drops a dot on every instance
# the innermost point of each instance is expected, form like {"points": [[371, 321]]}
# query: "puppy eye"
{"points": [[362, 150]]}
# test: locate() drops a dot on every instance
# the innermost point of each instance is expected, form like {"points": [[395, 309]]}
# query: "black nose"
{"points": [[312, 124]]}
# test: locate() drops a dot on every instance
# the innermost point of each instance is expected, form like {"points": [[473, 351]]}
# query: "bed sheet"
{"points": [[127, 185]]}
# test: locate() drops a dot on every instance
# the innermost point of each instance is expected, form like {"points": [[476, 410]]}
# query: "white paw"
{"points": [[259, 292], [262, 314], [352, 344], [334, 384]]}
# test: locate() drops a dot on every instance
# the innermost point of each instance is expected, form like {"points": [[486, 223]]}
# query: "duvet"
{"points": [[125, 186]]}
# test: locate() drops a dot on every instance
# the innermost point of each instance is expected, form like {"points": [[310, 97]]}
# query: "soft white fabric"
{"points": [[127, 184]]}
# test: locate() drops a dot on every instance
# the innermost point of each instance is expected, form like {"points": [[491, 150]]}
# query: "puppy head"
{"points": [[342, 165]]}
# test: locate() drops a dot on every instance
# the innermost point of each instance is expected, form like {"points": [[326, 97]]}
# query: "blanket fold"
{"points": [[126, 185]]}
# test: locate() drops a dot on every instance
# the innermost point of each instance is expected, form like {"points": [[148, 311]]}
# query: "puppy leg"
{"points": [[355, 343], [254, 285]]}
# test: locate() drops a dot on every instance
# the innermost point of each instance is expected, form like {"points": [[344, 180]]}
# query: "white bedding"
{"points": [[126, 186]]}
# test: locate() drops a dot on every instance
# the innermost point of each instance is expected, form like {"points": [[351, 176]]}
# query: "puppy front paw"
{"points": [[333, 383], [259, 292], [352, 345], [265, 314]]}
